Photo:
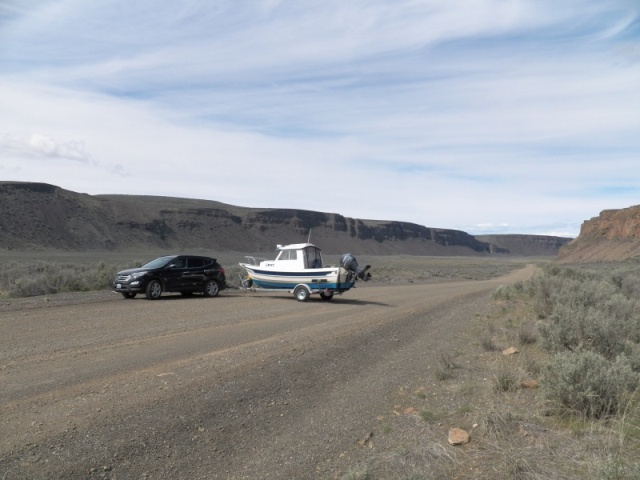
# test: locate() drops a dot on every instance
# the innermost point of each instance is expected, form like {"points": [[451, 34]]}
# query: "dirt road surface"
{"points": [[242, 386]]}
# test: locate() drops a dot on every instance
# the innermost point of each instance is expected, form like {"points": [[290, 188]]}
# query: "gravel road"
{"points": [[242, 386]]}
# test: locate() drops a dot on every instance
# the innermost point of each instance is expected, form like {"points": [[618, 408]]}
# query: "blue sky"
{"points": [[488, 116]]}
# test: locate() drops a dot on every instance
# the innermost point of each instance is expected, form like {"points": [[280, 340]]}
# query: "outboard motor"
{"points": [[349, 263]]}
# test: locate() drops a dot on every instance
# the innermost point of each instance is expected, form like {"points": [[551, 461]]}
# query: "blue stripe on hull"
{"points": [[306, 273], [291, 286]]}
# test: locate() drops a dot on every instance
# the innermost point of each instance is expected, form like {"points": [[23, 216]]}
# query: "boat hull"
{"points": [[333, 279]]}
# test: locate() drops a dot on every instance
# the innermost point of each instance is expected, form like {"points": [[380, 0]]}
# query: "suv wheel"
{"points": [[128, 294], [154, 290], [211, 288]]}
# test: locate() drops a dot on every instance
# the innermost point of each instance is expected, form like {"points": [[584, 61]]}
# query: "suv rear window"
{"points": [[195, 263]]}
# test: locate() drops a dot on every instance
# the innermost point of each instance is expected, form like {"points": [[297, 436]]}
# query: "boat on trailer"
{"points": [[299, 269]]}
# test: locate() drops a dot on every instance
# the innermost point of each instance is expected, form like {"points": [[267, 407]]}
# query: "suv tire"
{"points": [[154, 290], [211, 288]]}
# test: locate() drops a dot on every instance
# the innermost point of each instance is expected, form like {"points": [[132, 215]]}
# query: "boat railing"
{"points": [[255, 261]]}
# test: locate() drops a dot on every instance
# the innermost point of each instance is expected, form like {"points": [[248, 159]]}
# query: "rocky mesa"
{"points": [[39, 216], [614, 235]]}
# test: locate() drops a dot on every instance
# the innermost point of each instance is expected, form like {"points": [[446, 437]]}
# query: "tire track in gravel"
{"points": [[241, 386]]}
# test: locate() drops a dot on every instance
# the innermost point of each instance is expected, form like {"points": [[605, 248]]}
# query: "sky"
{"points": [[486, 116]]}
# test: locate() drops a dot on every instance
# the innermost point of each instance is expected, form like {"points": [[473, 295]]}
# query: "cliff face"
{"points": [[527, 245], [37, 216], [614, 235], [614, 225]]}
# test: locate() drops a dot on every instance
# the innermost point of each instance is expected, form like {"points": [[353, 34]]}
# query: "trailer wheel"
{"points": [[326, 296], [301, 293]]}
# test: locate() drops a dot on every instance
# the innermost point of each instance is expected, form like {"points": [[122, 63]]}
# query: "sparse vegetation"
{"points": [[591, 326], [32, 274], [43, 278], [578, 335], [527, 334], [402, 269], [356, 473], [506, 378], [588, 384], [446, 367], [427, 415], [488, 343]]}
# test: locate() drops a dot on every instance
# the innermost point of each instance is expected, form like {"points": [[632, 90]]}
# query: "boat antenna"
{"points": [[309, 237]]}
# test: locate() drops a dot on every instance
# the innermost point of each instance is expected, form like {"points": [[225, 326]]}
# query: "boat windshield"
{"points": [[288, 255]]}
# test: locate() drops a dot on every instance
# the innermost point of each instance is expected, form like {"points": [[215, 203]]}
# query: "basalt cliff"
{"points": [[39, 216], [612, 236]]}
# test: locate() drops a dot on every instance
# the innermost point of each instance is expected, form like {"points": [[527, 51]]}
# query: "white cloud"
{"points": [[518, 115], [22, 144]]}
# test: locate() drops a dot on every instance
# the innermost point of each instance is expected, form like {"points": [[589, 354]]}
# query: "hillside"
{"points": [[39, 216], [525, 245], [614, 235]]}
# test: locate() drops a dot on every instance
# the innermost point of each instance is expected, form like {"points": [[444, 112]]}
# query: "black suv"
{"points": [[174, 273]]}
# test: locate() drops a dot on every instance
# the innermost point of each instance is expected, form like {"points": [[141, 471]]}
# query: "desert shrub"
{"points": [[30, 287], [42, 278], [616, 468], [430, 460], [427, 415], [446, 368], [527, 334], [498, 423], [631, 350], [628, 421], [544, 291], [587, 361], [584, 308], [582, 328], [591, 315], [503, 292], [507, 378], [582, 293], [443, 373], [625, 310], [585, 382], [627, 281], [488, 343], [358, 472], [557, 285], [561, 330], [508, 292]]}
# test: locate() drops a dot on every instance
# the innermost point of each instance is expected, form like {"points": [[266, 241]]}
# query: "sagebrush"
{"points": [[589, 320]]}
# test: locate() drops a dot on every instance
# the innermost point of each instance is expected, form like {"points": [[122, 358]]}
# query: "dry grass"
{"points": [[40, 273], [399, 269], [513, 433]]}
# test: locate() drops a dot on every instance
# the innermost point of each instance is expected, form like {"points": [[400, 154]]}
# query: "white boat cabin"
{"points": [[298, 256]]}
